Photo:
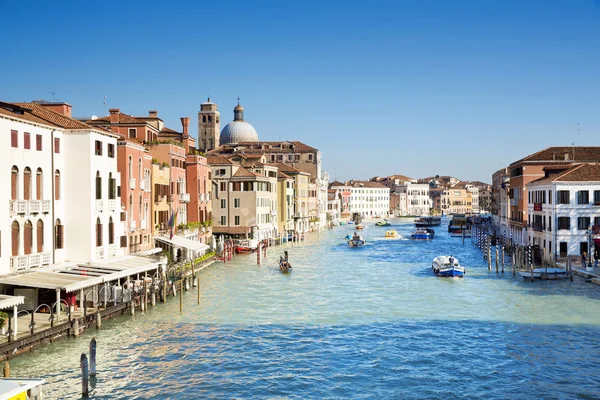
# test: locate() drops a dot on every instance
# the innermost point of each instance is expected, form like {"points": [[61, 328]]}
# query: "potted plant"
{"points": [[3, 319]]}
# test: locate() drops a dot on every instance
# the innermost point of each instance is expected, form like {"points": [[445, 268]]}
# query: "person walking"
{"points": [[583, 258]]}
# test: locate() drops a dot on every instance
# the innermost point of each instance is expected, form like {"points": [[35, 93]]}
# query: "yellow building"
{"points": [[285, 198], [301, 198], [161, 199]]}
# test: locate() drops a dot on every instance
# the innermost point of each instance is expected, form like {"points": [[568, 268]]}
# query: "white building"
{"points": [[368, 199], [322, 188], [334, 205], [410, 198], [562, 206], [64, 203]]}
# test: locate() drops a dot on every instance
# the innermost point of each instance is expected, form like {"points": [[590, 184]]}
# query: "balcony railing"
{"points": [[142, 184], [112, 205], [537, 227], [99, 205], [28, 206], [132, 225], [132, 183], [143, 224], [184, 197], [112, 250], [99, 253], [24, 262]]}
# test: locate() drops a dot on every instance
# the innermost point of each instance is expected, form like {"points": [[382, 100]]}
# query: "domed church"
{"points": [[238, 130]]}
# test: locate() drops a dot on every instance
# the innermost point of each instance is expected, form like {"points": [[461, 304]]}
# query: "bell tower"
{"points": [[209, 126]]}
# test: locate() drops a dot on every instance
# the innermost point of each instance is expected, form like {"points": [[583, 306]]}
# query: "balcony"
{"points": [[184, 197], [144, 224], [20, 263], [112, 250], [142, 184], [99, 253], [132, 183], [112, 205], [537, 227], [99, 205], [28, 206], [132, 225]]}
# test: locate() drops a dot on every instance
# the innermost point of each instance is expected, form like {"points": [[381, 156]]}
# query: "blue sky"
{"points": [[412, 87]]}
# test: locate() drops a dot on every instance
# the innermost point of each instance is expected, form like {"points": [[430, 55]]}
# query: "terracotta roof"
{"points": [[285, 168], [283, 175], [399, 177], [366, 184], [336, 183], [577, 173], [53, 117], [558, 154], [14, 111], [253, 147], [169, 131], [244, 173], [123, 119], [217, 160]]}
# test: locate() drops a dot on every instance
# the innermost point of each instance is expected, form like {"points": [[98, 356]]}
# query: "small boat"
{"points": [[360, 227], [423, 234], [458, 221], [391, 234], [245, 245], [22, 388], [427, 221], [348, 237], [285, 266], [356, 241], [383, 222], [442, 266], [459, 233], [545, 273], [350, 222]]}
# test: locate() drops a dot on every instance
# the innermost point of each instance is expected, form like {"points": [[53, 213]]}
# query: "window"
{"points": [[236, 203], [27, 184], [39, 233], [583, 223], [223, 186], [27, 237], [223, 220], [98, 232], [27, 140], [549, 196], [98, 186], [237, 220], [57, 185], [111, 150], [563, 249], [596, 220], [583, 197], [111, 231], [562, 197], [14, 183], [98, 150], [597, 197], [310, 157], [297, 157], [14, 139], [57, 145], [38, 142], [564, 223], [223, 203], [38, 184], [140, 169], [111, 187], [15, 238], [58, 235], [132, 133]]}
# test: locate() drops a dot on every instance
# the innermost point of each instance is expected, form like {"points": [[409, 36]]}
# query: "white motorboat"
{"points": [[447, 266], [356, 241]]}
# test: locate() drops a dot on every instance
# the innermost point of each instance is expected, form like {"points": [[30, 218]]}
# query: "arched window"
{"points": [[57, 185], [39, 181], [204, 118], [209, 118], [15, 238], [140, 209], [130, 208], [14, 183], [27, 237], [111, 231], [98, 232], [146, 214], [59, 236], [98, 186], [130, 167], [39, 233], [27, 184], [140, 170]]}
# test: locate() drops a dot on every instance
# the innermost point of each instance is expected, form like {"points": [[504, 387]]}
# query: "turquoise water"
{"points": [[371, 322]]}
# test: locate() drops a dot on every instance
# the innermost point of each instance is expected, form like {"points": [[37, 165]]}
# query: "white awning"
{"points": [[10, 301], [72, 277], [180, 241]]}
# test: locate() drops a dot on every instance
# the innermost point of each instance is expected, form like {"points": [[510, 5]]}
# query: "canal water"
{"points": [[364, 323]]}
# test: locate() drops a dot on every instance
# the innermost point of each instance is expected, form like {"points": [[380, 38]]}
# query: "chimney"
{"points": [[153, 114], [185, 122], [58, 107], [114, 115]]}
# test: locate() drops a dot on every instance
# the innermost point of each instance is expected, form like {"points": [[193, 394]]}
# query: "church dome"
{"points": [[238, 130]]}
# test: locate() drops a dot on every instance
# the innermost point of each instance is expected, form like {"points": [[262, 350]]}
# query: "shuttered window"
{"points": [[59, 235], [14, 139], [57, 145], [38, 142], [27, 140]]}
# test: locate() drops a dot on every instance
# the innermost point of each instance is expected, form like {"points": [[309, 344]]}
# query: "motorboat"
{"points": [[356, 241], [427, 221], [545, 273], [245, 245], [348, 236], [423, 234], [360, 227], [391, 234], [459, 233], [458, 221], [447, 266], [383, 222]]}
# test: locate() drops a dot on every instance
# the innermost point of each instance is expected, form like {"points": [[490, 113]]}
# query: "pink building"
{"points": [[199, 183]]}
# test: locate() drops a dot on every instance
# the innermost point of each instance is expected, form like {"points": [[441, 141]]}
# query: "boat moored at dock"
{"points": [[447, 267], [545, 273], [461, 232]]}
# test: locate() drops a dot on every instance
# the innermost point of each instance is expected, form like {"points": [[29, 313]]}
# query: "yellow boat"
{"points": [[391, 234]]}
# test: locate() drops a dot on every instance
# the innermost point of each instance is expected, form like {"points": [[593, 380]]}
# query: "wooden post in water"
{"points": [[6, 369], [98, 320], [496, 257], [502, 258], [463, 236], [84, 376], [544, 263], [514, 261], [143, 298], [181, 296], [93, 356], [198, 284], [489, 253], [570, 264]]}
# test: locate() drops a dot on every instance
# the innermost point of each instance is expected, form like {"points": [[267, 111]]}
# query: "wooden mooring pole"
{"points": [[181, 296], [84, 376], [496, 257], [6, 369], [489, 253], [93, 356]]}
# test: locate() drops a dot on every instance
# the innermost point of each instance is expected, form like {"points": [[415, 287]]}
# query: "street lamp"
{"points": [[589, 234]]}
